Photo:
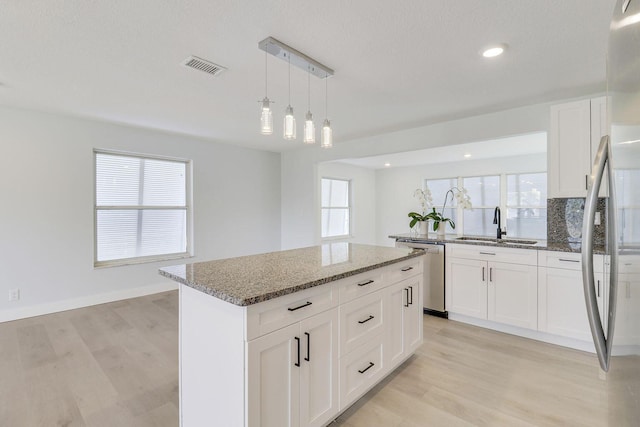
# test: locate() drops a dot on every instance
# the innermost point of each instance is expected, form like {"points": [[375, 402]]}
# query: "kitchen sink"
{"points": [[498, 241]]}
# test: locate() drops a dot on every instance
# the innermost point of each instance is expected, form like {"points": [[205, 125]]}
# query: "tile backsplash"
{"points": [[564, 221]]}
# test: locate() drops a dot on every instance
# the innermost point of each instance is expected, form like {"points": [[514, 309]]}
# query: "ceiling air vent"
{"points": [[203, 65]]}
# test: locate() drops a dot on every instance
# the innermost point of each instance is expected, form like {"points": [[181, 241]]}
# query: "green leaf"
{"points": [[413, 222]]}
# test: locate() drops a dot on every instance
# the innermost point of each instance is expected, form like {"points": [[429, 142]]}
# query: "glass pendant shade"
{"points": [[289, 124], [309, 129], [327, 137], [266, 118]]}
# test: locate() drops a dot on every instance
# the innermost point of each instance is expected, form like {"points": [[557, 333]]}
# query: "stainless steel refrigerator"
{"points": [[617, 165]]}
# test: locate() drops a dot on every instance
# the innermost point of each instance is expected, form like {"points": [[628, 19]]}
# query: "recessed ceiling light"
{"points": [[466, 156], [493, 51], [386, 165]]}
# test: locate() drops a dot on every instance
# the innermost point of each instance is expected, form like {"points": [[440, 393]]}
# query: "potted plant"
{"points": [[463, 201], [425, 200], [437, 219]]}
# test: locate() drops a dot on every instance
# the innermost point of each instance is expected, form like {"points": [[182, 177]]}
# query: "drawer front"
{"points": [[403, 270], [277, 313], [493, 253], [359, 370], [360, 321], [359, 285], [568, 260]]}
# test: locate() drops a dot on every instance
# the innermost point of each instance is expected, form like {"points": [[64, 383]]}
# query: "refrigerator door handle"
{"points": [[601, 341]]}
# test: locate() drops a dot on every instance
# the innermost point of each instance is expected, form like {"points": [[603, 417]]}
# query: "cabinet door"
{"points": [[513, 294], [412, 328], [395, 343], [319, 371], [569, 150], [466, 287], [273, 385], [561, 304]]}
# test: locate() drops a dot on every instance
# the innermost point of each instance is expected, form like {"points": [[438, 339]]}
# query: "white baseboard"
{"points": [[70, 304], [526, 333]]}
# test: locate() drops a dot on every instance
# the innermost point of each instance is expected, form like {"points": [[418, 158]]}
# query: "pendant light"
{"points": [[309, 127], [327, 137], [266, 118], [289, 120]]}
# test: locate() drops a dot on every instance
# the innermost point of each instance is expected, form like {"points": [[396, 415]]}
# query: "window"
{"points": [[142, 208], [484, 192], [439, 188], [336, 208], [527, 205]]}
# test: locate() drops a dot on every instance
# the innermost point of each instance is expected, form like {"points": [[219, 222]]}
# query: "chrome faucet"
{"points": [[496, 220]]}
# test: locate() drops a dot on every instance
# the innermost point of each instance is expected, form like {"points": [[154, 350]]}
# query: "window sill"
{"points": [[140, 260]]}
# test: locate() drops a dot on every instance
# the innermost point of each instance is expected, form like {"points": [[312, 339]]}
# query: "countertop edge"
{"points": [[281, 292]]}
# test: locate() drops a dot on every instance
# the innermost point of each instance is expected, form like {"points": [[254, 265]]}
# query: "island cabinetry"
{"points": [[493, 283], [294, 375], [404, 310], [561, 309]]}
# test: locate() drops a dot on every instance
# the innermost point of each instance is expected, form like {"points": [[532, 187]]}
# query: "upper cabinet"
{"points": [[574, 137]]}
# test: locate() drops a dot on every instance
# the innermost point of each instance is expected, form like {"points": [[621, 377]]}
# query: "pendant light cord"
{"points": [[326, 96], [289, 56], [266, 95], [309, 88]]}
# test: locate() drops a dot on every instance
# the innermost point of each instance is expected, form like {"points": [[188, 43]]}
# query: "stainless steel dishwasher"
{"points": [[434, 290]]}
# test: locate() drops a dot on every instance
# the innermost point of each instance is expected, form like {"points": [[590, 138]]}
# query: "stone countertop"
{"points": [[252, 279], [542, 245]]}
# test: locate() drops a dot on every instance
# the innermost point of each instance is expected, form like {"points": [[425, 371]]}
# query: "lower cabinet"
{"points": [[496, 291], [404, 314], [294, 378]]}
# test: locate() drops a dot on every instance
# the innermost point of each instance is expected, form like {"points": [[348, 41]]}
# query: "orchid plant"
{"points": [[426, 201]]}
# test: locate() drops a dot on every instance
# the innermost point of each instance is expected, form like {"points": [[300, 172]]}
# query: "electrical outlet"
{"points": [[14, 295], [596, 220]]}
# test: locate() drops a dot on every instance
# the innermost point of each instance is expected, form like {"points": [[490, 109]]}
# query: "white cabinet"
{"points": [[404, 313], [503, 292], [561, 304], [513, 294], [574, 135]]}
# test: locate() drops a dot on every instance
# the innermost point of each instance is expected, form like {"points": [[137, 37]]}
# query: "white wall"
{"points": [[46, 227], [300, 174], [395, 186], [363, 209]]}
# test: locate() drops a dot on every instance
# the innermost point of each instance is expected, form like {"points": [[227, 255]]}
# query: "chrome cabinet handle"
{"points": [[298, 344], [491, 274], [406, 269], [487, 253], [406, 304], [368, 282], [483, 274], [568, 260], [411, 295], [300, 306]]}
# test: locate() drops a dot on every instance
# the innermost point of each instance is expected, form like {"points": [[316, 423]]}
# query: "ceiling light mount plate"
{"points": [[299, 59]]}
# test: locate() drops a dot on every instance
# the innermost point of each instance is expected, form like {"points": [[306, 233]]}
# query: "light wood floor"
{"points": [[117, 365]]}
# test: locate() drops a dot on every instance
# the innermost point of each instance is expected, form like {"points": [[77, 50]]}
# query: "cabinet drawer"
{"points": [[268, 316], [568, 260], [359, 285], [360, 321], [403, 270], [493, 253], [359, 370]]}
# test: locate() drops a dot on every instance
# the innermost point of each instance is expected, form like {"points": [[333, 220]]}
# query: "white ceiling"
{"points": [[520, 145], [397, 64]]}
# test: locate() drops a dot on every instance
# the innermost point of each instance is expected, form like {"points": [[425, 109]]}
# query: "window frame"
{"points": [[188, 208], [349, 209]]}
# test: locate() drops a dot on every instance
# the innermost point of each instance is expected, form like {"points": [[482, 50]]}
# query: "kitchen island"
{"points": [[293, 338]]}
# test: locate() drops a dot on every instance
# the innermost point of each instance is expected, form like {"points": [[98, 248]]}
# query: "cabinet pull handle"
{"points": [[300, 306], [406, 304], [368, 282], [487, 253], [308, 358], [483, 274], [365, 320], [586, 182], [371, 364], [568, 260], [598, 288], [406, 269], [298, 345], [491, 274], [411, 295]]}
